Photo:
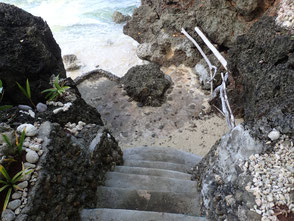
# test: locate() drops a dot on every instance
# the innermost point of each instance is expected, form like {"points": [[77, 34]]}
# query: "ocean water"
{"points": [[85, 28]]}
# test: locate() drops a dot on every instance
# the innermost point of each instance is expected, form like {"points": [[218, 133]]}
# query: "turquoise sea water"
{"points": [[85, 28]]}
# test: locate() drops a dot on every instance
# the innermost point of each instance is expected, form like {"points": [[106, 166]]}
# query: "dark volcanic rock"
{"points": [[221, 180], [156, 25], [72, 168], [262, 63], [146, 84], [119, 18], [27, 50]]}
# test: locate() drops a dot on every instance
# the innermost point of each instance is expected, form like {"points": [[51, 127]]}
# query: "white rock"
{"points": [[60, 104], [8, 215], [14, 204], [16, 195], [31, 130], [32, 157], [23, 184], [35, 147], [32, 113], [274, 135], [57, 110], [41, 107], [17, 211]]}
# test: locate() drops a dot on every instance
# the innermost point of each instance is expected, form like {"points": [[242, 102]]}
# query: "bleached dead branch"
{"points": [[212, 68], [221, 89]]}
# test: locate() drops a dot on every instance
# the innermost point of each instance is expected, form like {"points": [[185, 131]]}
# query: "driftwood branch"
{"points": [[221, 89], [212, 68]]}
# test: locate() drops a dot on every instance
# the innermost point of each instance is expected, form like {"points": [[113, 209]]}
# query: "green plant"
{"points": [[3, 107], [19, 143], [27, 91], [56, 91], [10, 183]]}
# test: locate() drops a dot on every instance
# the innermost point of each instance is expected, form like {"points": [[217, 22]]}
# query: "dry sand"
{"points": [[183, 122]]}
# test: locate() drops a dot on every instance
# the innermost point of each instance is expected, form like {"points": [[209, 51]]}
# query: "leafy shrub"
{"points": [[56, 91]]}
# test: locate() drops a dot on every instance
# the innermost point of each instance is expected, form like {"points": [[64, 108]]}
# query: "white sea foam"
{"points": [[85, 28]]}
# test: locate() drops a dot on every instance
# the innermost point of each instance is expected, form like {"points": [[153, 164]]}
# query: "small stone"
{"points": [[57, 110], [35, 147], [60, 104], [274, 135], [41, 107], [14, 204], [23, 185], [32, 113], [79, 127], [17, 211], [31, 130], [7, 215], [40, 152], [24, 107], [16, 195], [32, 157]]}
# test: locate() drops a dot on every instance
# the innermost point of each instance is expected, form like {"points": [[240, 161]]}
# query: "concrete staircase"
{"points": [[153, 185]]}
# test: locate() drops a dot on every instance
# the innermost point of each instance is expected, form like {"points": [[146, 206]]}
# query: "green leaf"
{"points": [[4, 172], [7, 198], [4, 187], [53, 96], [5, 138], [28, 89], [3, 182], [49, 90], [56, 83], [1, 83], [19, 175], [5, 107], [22, 89], [17, 187], [22, 137]]}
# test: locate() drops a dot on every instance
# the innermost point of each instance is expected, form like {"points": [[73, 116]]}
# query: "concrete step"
{"points": [[145, 182], [133, 215], [164, 154], [157, 165], [152, 172], [144, 200]]}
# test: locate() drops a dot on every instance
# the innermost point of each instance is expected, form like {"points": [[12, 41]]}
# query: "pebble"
{"points": [[41, 107], [273, 180], [64, 108], [14, 204], [32, 157], [23, 184], [32, 113], [24, 107], [274, 135], [16, 195], [31, 130], [7, 215], [35, 147], [17, 211]]}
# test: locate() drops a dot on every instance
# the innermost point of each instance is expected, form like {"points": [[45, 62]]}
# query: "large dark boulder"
{"points": [[27, 50], [157, 25], [262, 64], [146, 84]]}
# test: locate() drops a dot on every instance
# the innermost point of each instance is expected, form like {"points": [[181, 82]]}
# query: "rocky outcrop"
{"points": [[221, 180], [156, 25], [119, 18], [263, 72], [146, 84], [72, 168], [76, 153], [27, 51]]}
